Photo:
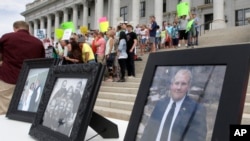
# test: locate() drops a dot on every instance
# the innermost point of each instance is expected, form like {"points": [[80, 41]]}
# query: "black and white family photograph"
{"points": [[63, 104], [33, 89], [182, 103]]}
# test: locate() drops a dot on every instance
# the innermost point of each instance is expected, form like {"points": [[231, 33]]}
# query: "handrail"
{"points": [[206, 23]]}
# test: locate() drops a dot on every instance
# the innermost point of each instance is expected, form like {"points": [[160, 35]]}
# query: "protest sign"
{"points": [[102, 19], [104, 26], [189, 25], [68, 25], [67, 34], [59, 33], [183, 9], [40, 33], [84, 29]]}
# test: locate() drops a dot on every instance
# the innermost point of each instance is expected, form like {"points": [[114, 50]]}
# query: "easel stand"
{"points": [[103, 126]]}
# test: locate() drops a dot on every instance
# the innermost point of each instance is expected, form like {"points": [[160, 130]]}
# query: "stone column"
{"points": [[218, 11], [98, 12], [135, 12], [65, 15], [31, 29], [35, 26], [56, 22], [42, 23], [75, 8], [158, 11], [49, 25], [115, 12], [85, 14]]}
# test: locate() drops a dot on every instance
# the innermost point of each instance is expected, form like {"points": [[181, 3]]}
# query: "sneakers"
{"points": [[131, 77], [109, 80], [186, 45], [179, 45], [121, 80]]}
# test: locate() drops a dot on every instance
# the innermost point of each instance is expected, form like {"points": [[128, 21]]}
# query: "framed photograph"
{"points": [[191, 94], [65, 110], [29, 89]]}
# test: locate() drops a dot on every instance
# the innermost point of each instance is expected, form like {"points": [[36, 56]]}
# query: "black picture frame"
{"points": [[76, 128], [236, 58], [31, 69]]}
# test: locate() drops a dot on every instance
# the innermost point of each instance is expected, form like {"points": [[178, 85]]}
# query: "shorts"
{"points": [[175, 41], [167, 43], [163, 40], [110, 60], [151, 40], [192, 32], [143, 41], [183, 35], [158, 40]]}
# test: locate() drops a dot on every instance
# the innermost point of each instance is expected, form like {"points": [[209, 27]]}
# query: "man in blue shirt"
{"points": [[152, 33]]}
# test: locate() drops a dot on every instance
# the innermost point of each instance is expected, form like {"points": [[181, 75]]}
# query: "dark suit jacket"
{"points": [[189, 125]]}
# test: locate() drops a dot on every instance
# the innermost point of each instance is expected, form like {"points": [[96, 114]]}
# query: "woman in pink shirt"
{"points": [[100, 44]]}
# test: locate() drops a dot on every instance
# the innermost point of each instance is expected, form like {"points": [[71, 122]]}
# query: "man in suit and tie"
{"points": [[177, 117]]}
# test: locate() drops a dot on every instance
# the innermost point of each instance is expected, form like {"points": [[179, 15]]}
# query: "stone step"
{"points": [[119, 90], [141, 63], [246, 108], [247, 98], [114, 97], [237, 29], [113, 113], [245, 119], [117, 96], [135, 79], [115, 104], [124, 84], [248, 87]]}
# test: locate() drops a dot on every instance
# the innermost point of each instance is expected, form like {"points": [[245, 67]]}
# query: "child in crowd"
{"points": [[169, 29], [175, 35], [167, 40], [163, 37], [158, 37], [144, 37]]}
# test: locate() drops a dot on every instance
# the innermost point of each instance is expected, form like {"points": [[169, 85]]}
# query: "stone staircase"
{"points": [[232, 35], [116, 100]]}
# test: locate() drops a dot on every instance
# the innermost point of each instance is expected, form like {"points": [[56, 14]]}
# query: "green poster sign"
{"points": [[183, 9], [189, 25], [68, 25]]}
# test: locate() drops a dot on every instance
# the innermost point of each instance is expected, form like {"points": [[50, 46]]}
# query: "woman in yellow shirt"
{"points": [[87, 52]]}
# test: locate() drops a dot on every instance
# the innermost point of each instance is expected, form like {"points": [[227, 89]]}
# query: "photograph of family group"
{"points": [[63, 104]]}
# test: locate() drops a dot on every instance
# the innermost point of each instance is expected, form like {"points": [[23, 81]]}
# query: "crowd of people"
{"points": [[116, 48]]}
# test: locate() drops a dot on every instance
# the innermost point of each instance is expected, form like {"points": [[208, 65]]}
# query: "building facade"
{"points": [[213, 14]]}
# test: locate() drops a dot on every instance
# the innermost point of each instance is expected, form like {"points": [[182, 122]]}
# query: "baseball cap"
{"points": [[81, 39]]}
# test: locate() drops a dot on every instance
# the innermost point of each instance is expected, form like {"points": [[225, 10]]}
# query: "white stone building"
{"points": [[213, 14]]}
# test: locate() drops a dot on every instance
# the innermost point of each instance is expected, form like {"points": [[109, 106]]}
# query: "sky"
{"points": [[10, 11]]}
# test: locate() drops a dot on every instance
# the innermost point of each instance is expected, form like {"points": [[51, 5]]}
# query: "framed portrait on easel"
{"points": [[29, 88], [66, 109], [186, 94]]}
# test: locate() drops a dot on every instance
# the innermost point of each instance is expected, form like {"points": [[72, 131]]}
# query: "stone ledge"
{"points": [[205, 6]]}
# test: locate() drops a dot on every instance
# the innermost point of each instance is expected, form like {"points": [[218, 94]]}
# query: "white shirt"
{"points": [[176, 111], [143, 34]]}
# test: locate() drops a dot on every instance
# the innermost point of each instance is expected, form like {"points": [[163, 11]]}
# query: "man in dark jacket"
{"points": [[15, 47], [177, 117]]}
